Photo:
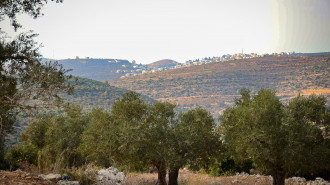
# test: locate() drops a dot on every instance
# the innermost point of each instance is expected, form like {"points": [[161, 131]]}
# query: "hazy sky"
{"points": [[150, 30]]}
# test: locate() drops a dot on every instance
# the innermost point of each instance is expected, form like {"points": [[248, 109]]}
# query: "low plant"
{"points": [[85, 175]]}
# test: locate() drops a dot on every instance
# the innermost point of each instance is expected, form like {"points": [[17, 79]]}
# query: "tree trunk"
{"points": [[278, 178], [173, 176], [2, 149], [161, 168]]}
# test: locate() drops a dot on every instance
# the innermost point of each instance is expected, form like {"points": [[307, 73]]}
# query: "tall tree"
{"points": [[99, 140], [159, 134], [308, 149], [194, 141], [139, 134], [274, 136], [129, 114], [26, 83]]}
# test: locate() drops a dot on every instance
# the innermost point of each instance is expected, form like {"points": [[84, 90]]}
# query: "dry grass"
{"points": [[191, 178]]}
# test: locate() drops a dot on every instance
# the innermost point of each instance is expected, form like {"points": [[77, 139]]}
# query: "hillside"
{"points": [[97, 69], [94, 94], [88, 93], [162, 64], [213, 86]]}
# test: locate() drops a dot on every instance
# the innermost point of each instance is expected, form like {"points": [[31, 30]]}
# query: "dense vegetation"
{"points": [[87, 93], [213, 86], [94, 94], [133, 135], [282, 140], [26, 83], [258, 132]]}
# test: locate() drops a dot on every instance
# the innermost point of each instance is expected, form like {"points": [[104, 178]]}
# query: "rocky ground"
{"points": [[20, 178], [185, 178], [102, 177]]}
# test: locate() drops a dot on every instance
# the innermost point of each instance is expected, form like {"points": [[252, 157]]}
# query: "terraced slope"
{"points": [[213, 86]]}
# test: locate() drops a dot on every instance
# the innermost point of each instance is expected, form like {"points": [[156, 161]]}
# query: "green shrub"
{"points": [[85, 175], [227, 166], [22, 153]]}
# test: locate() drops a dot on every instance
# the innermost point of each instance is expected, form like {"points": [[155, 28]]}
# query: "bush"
{"points": [[85, 175], [22, 154], [227, 166]]}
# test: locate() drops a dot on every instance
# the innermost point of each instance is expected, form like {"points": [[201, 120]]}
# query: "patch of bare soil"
{"points": [[20, 178]]}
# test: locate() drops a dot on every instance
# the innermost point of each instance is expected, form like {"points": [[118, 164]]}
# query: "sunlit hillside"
{"points": [[214, 86]]}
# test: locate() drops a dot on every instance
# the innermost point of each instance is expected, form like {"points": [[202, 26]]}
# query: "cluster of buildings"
{"points": [[143, 69]]}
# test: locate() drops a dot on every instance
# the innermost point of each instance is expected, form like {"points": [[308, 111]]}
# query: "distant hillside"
{"points": [[88, 93], [97, 69], [94, 94], [162, 63], [213, 86]]}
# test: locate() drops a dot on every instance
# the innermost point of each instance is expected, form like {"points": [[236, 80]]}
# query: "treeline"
{"points": [[258, 132]]}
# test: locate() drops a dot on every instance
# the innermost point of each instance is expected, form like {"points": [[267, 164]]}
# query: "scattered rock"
{"points": [[237, 181], [110, 176], [256, 175], [51, 177], [296, 180], [318, 181], [243, 174], [21, 177], [270, 177], [67, 182], [302, 181]]}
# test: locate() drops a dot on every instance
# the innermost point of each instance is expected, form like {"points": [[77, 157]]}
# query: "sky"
{"points": [[151, 30]]}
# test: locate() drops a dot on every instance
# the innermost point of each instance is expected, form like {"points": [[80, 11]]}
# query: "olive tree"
{"points": [[195, 142], [26, 83], [275, 136], [57, 138], [99, 140], [136, 134]]}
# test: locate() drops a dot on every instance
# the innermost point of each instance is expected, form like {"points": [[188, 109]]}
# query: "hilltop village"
{"points": [[142, 69]]}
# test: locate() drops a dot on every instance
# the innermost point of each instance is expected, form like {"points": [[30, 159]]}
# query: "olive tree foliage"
{"points": [[132, 136], [282, 140], [99, 140], [136, 135], [26, 83], [194, 142], [53, 140], [10, 8], [308, 121]]}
